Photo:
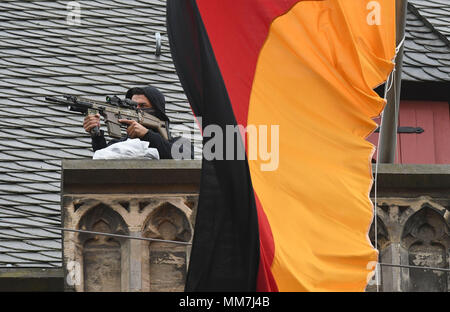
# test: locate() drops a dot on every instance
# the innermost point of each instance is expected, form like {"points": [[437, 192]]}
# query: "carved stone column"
{"points": [[413, 227]]}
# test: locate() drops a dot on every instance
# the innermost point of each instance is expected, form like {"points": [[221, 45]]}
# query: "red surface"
{"points": [[442, 132], [237, 30], [430, 147]]}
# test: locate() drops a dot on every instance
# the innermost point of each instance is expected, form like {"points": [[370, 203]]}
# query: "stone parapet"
{"points": [[413, 223], [137, 198], [158, 200]]}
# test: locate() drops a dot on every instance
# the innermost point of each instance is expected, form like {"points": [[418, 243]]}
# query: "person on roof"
{"points": [[152, 101]]}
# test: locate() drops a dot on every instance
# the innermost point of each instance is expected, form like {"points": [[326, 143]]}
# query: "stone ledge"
{"points": [[130, 176], [413, 176], [31, 273], [149, 176], [31, 279], [121, 164]]}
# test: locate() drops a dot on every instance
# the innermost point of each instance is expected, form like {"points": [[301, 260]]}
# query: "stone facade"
{"points": [[413, 232], [94, 262], [413, 226], [158, 200]]}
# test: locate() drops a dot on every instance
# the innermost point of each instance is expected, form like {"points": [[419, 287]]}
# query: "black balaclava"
{"points": [[155, 97]]}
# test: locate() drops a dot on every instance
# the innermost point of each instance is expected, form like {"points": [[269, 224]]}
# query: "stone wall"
{"points": [[158, 200], [140, 198], [413, 222]]}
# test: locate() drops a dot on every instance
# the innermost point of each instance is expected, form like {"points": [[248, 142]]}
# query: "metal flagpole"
{"points": [[389, 122], [387, 142]]}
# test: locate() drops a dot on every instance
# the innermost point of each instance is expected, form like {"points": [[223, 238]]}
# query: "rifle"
{"points": [[112, 110]]}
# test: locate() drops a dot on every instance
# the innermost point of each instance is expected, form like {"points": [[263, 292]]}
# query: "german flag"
{"points": [[306, 69]]}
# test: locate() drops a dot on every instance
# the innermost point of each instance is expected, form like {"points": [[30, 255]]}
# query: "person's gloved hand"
{"points": [[135, 130], [90, 122]]}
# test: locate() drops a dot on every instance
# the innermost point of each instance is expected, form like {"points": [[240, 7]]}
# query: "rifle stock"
{"points": [[152, 122]]}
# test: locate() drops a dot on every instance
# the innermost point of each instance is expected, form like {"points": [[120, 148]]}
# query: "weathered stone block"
{"points": [[157, 210], [413, 227]]}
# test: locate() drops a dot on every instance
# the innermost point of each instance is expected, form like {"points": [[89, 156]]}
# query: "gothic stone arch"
{"points": [[167, 261], [102, 255], [426, 237]]}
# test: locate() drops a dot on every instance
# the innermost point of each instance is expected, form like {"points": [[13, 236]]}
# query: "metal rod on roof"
{"points": [[19, 225], [120, 236], [389, 122]]}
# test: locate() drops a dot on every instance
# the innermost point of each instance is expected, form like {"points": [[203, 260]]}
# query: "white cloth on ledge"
{"points": [[131, 148]]}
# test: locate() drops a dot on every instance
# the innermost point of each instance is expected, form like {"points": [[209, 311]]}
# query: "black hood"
{"points": [[156, 98]]}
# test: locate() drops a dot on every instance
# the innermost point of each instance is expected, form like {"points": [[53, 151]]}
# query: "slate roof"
{"points": [[427, 45], [40, 55], [437, 13], [113, 49]]}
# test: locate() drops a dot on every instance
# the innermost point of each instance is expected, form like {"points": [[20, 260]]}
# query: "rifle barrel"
{"points": [[72, 103]]}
